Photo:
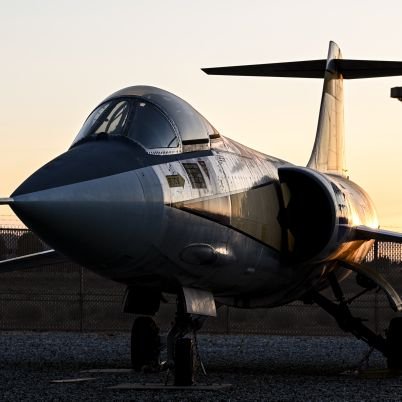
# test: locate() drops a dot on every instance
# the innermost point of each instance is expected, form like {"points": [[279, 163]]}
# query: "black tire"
{"points": [[394, 344], [184, 362], [145, 343]]}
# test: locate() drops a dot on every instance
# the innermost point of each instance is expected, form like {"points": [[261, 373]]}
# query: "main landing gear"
{"points": [[394, 344], [390, 345]]}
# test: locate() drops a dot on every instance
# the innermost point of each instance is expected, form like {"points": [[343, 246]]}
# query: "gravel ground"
{"points": [[258, 367]]}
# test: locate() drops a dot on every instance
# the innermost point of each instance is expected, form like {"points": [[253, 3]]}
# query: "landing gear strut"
{"points": [[193, 307], [390, 347], [181, 350]]}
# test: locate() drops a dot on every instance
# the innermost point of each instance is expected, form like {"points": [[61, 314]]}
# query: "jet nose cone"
{"points": [[88, 161], [91, 215]]}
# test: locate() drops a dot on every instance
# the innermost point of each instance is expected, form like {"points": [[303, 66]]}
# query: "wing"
{"points": [[370, 273], [366, 233], [41, 259]]}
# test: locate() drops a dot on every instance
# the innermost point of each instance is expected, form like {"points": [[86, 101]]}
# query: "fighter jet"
{"points": [[151, 195]]}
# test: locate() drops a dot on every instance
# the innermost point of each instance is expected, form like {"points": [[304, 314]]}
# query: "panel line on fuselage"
{"points": [[246, 215]]}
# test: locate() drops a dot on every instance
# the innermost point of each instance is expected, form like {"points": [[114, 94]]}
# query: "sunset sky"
{"points": [[59, 59]]}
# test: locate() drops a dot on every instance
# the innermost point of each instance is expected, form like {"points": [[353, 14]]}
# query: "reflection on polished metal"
{"points": [[152, 196]]}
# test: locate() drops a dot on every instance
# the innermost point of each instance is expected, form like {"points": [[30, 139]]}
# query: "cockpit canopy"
{"points": [[159, 121]]}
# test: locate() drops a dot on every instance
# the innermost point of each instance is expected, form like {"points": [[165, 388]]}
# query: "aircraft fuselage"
{"points": [[208, 219]]}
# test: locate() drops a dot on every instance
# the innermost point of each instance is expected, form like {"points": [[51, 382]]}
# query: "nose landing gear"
{"points": [[182, 350], [193, 307]]}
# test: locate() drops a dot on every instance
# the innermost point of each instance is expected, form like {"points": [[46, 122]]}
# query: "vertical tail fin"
{"points": [[328, 153]]}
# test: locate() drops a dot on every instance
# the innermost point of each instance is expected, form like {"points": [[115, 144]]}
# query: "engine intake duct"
{"points": [[309, 214]]}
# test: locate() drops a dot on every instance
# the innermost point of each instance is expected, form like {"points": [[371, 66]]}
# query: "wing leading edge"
{"points": [[36, 260], [367, 233]]}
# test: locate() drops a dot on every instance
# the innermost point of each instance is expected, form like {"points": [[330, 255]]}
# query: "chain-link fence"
{"points": [[67, 297]]}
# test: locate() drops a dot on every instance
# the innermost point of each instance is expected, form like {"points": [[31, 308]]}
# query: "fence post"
{"points": [[376, 250], [81, 299], [376, 301], [228, 320]]}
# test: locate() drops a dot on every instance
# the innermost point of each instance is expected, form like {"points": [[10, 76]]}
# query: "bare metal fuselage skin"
{"points": [[207, 219]]}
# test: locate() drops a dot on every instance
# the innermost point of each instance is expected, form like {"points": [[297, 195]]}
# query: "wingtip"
{"points": [[6, 200]]}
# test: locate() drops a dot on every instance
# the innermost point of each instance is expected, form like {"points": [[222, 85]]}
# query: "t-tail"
{"points": [[328, 154]]}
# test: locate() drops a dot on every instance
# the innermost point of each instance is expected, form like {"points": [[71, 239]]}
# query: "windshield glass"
{"points": [[91, 121], [151, 128], [113, 120], [138, 120]]}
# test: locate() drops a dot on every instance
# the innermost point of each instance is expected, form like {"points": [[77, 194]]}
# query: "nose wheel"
{"points": [[184, 362], [145, 344], [182, 351]]}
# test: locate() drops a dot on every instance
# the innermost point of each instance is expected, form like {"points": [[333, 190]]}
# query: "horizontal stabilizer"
{"points": [[36, 260], [348, 68], [366, 233], [301, 69], [352, 69]]}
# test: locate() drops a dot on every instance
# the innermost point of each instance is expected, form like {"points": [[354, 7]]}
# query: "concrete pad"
{"points": [[162, 386], [373, 373], [122, 370], [68, 380], [379, 373]]}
